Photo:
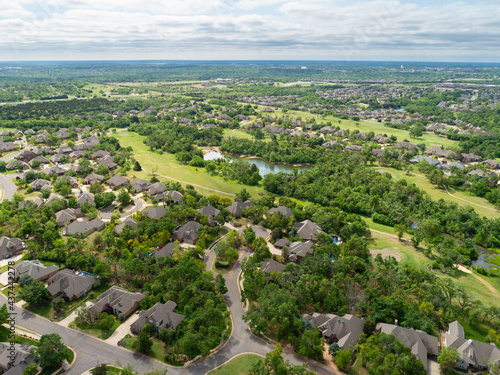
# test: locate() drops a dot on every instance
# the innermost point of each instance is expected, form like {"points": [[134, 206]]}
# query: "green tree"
{"points": [[35, 293], [50, 351], [342, 358], [311, 344], [4, 314], [58, 304], [447, 360], [274, 364], [220, 284], [124, 198], [243, 195], [99, 370], [145, 343], [31, 369], [137, 166]]}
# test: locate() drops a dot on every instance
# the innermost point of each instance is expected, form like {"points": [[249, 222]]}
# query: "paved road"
{"points": [[8, 187], [106, 213]]}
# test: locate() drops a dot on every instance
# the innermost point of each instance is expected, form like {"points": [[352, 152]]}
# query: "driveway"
{"points": [[73, 315], [106, 212], [122, 330]]}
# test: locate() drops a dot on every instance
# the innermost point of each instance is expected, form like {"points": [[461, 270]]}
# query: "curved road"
{"points": [[92, 351], [7, 186], [106, 212]]}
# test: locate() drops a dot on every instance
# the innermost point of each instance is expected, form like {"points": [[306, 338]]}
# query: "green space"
{"points": [[4, 337], [157, 350], [239, 365], [169, 168], [93, 330]]}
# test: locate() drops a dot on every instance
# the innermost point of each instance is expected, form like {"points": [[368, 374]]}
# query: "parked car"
{"points": [[122, 343]]}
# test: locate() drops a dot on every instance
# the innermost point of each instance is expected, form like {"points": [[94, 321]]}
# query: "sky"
{"points": [[383, 30]]}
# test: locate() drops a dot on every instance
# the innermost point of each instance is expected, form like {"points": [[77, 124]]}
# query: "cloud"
{"points": [[233, 29]]}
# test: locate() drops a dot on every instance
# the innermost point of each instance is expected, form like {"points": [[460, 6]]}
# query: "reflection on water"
{"points": [[481, 259], [264, 166]]}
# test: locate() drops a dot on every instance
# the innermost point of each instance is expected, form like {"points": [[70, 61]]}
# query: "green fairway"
{"points": [[169, 168], [239, 365]]}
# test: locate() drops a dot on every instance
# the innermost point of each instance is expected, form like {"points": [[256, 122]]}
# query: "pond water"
{"points": [[481, 259], [264, 166]]}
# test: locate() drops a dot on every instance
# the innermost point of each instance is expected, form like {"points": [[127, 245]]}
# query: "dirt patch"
{"points": [[391, 251], [207, 149], [387, 171]]}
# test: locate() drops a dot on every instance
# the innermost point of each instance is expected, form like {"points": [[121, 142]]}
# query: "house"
{"points": [[31, 203], [380, 139], [187, 233], [71, 181], [10, 246], [84, 227], [419, 342], [26, 155], [64, 150], [236, 209], [281, 243], [14, 358], [128, 222], [35, 269], [477, 172], [270, 265], [40, 184], [170, 196], [211, 212], [16, 164], [67, 216], [439, 152], [166, 251], [70, 285], [492, 164], [159, 316], [42, 159], [108, 162], [93, 179], [354, 148], [470, 158], [447, 166], [116, 301], [62, 133], [344, 330], [85, 197], [117, 182], [155, 213], [406, 145], [139, 184], [58, 171], [307, 229], [58, 158], [428, 159], [99, 154], [156, 188], [474, 355], [298, 250], [7, 146], [285, 211]]}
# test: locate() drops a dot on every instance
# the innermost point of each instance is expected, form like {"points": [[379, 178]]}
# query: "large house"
{"points": [[85, 227], [70, 285], [474, 355], [285, 211], [159, 316], [269, 265], [93, 179], [155, 189], [187, 233], [14, 362], [439, 152], [116, 301], [419, 342], [166, 251], [298, 250], [155, 213], [117, 182], [211, 212], [10, 247], [128, 222], [236, 209], [307, 230], [40, 184], [35, 269], [344, 330], [67, 216], [140, 185]]}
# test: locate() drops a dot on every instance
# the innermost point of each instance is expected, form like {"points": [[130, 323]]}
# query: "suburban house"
{"points": [[85, 227], [307, 230], [156, 188], [470, 158], [70, 285], [298, 250], [155, 213], [85, 197], [99, 154], [67, 216], [10, 247], [170, 196], [15, 364], [117, 182], [474, 355], [108, 162], [270, 265], [42, 159], [344, 330], [160, 316], [187, 233], [477, 172], [35, 202], [116, 301], [285, 211], [428, 159], [35, 269], [165, 251], [406, 145], [93, 179], [7, 146], [16, 164], [419, 342], [492, 164], [211, 212], [40, 184], [439, 152], [281, 243], [128, 222], [54, 171], [26, 155], [354, 148], [236, 209], [139, 184], [70, 180]]}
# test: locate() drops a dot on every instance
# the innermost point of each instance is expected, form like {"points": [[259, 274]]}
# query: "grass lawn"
{"points": [[170, 168], [239, 365], [480, 205], [157, 351], [4, 337], [92, 329]]}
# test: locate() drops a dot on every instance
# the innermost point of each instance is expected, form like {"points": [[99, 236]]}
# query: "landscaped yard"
{"points": [[4, 337], [157, 351], [93, 330], [240, 365]]}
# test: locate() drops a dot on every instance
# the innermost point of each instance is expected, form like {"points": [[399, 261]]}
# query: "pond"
{"points": [[481, 259], [263, 166]]}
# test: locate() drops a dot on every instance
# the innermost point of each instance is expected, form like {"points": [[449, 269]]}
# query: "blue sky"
{"points": [[425, 30]]}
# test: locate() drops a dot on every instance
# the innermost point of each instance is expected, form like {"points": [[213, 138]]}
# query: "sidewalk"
{"points": [[73, 315]]}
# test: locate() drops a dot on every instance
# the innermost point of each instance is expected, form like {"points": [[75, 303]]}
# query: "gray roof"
{"points": [[428, 159], [270, 265], [40, 183], [188, 231], [236, 209], [108, 162], [139, 184], [156, 188], [86, 197], [282, 243], [128, 222], [307, 229], [93, 178], [117, 181], [299, 249], [10, 245], [22, 358], [70, 284], [155, 212], [31, 202], [287, 212], [119, 299], [34, 268], [165, 251], [345, 330], [85, 227], [209, 211], [66, 216], [160, 316]]}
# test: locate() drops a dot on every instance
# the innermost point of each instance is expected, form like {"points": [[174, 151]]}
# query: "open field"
{"points": [[463, 198], [169, 168], [239, 365]]}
